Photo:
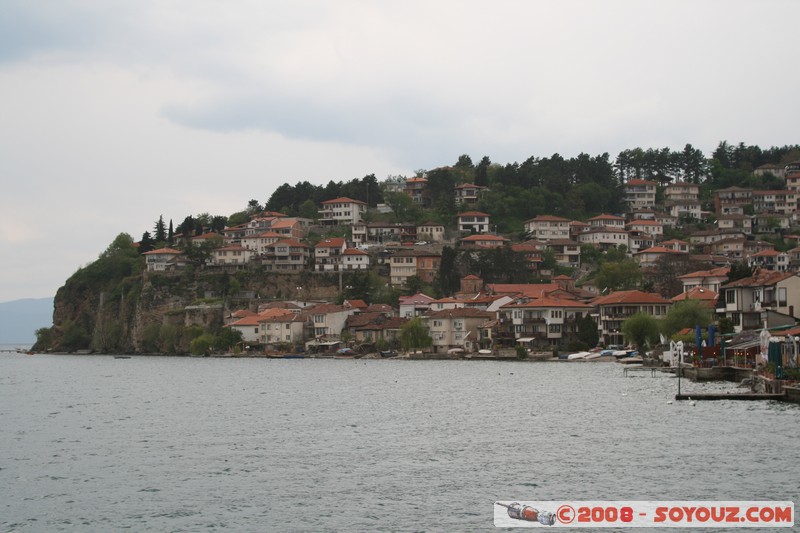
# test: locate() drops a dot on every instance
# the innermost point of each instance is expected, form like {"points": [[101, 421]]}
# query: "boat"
{"points": [[578, 355], [593, 355]]}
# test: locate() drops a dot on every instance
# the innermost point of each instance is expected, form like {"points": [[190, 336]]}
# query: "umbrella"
{"points": [[698, 338], [711, 335]]}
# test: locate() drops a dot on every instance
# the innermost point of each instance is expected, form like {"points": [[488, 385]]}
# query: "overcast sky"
{"points": [[115, 112]]}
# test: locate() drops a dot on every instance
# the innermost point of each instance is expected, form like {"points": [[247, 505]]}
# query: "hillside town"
{"points": [[739, 229]]}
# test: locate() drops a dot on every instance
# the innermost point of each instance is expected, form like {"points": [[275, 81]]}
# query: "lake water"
{"points": [[93, 443]]}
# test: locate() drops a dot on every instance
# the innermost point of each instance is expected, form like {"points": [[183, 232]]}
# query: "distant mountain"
{"points": [[19, 319]]}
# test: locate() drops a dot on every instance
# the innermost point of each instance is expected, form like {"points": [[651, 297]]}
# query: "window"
{"points": [[730, 296]]}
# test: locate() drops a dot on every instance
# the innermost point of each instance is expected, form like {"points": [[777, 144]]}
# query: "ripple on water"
{"points": [[192, 444]]}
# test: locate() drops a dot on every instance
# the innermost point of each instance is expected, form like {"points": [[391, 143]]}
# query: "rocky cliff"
{"points": [[148, 312]]}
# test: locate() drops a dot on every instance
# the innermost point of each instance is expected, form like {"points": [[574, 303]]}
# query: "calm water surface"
{"points": [[93, 443]]}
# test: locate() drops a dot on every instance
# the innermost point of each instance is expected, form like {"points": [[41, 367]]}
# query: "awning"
{"points": [[526, 339]]}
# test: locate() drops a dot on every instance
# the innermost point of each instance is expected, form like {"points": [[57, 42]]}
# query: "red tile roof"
{"points": [[629, 297], [163, 251], [344, 200], [696, 293], [473, 214], [333, 242], [484, 237], [548, 218]]}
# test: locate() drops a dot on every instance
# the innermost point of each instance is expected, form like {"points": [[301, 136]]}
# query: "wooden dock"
{"points": [[732, 396], [653, 370]]}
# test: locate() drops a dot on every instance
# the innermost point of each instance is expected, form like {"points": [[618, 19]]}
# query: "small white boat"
{"points": [[593, 355], [578, 355]]}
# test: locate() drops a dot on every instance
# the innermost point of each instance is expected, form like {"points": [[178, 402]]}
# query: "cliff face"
{"points": [[161, 312]]}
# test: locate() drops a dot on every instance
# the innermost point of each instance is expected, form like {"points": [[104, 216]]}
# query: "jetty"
{"points": [[730, 396]]}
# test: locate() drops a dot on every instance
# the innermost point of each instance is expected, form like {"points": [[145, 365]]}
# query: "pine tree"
{"points": [[161, 230]]}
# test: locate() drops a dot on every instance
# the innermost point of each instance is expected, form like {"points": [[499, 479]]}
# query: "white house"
{"points": [[355, 259], [547, 227], [342, 210], [473, 221], [159, 260]]}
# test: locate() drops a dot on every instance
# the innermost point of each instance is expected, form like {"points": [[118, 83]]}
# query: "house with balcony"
{"points": [[286, 255], [291, 227], [732, 197], [540, 322], [615, 308], [771, 222], [567, 252], [650, 257], [473, 222], [547, 227], [677, 245], [742, 223], [328, 320], [769, 260], [607, 221], [604, 237], [328, 254], [681, 190], [732, 247], [755, 246], [383, 232], [162, 259], [258, 242], [250, 325], [638, 241], [685, 209], [650, 227], [342, 211], [291, 328], [766, 299], [355, 259], [710, 280], [233, 254], [416, 189], [431, 232], [415, 305], [483, 241], [469, 193], [640, 194], [532, 252], [407, 263], [783, 202], [456, 328]]}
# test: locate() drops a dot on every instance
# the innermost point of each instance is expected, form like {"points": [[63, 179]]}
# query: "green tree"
{"points": [[161, 230], [414, 284], [44, 339], [685, 314], [202, 345], [482, 172], [170, 234], [448, 280], [641, 329], [414, 335], [308, 209], [622, 275], [587, 330]]}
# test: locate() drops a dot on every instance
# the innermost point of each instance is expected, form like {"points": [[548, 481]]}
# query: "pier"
{"points": [[731, 396], [653, 370]]}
